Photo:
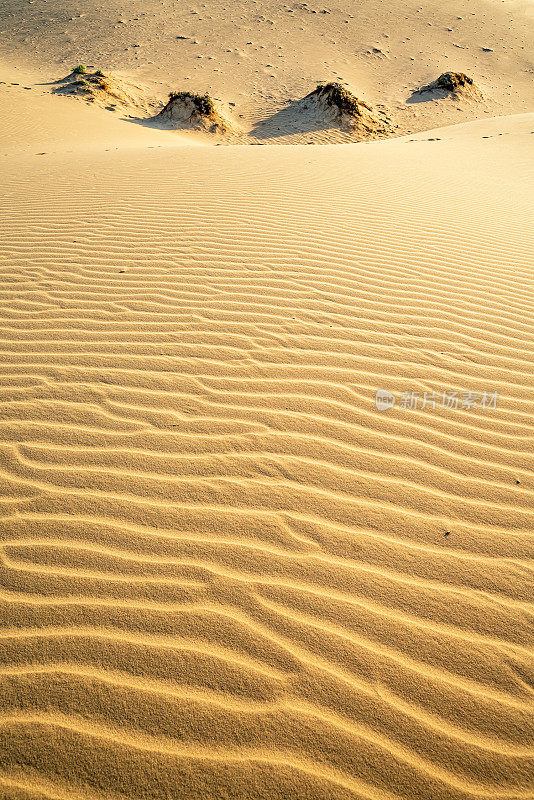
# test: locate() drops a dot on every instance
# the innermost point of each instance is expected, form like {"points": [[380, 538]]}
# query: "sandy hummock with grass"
{"points": [[226, 574]]}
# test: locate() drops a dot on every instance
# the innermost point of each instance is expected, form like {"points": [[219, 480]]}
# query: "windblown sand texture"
{"points": [[224, 572]]}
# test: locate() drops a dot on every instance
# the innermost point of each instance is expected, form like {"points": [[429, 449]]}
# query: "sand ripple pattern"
{"points": [[224, 574]]}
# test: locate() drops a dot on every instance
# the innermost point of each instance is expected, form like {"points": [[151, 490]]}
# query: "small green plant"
{"points": [[452, 81], [99, 74], [337, 95], [100, 82], [79, 70], [202, 102]]}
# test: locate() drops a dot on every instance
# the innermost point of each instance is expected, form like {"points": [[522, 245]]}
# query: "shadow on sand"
{"points": [[289, 120], [427, 95]]}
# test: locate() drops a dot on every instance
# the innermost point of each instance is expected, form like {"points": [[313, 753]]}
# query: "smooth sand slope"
{"points": [[225, 574]]}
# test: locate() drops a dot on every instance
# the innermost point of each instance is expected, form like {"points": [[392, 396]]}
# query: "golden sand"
{"points": [[225, 572]]}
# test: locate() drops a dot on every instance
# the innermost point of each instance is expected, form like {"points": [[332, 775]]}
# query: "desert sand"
{"points": [[226, 573]]}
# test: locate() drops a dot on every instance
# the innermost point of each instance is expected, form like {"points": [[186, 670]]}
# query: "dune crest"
{"points": [[334, 103], [104, 90], [190, 110], [452, 84]]}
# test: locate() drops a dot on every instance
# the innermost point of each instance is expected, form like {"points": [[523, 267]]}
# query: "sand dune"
{"points": [[225, 571], [263, 56]]}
